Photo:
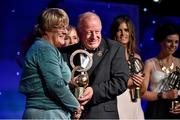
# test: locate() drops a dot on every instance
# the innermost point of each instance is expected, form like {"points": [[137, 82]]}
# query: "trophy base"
{"points": [[79, 91], [135, 94], [138, 92]]}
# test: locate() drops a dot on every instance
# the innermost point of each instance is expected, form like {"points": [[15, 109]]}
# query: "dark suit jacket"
{"points": [[108, 77]]}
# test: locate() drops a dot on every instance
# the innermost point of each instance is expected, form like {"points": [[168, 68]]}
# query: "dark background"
{"points": [[17, 18]]}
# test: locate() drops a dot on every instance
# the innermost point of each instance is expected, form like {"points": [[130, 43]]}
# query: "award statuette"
{"points": [[172, 82], [82, 79], [136, 66]]}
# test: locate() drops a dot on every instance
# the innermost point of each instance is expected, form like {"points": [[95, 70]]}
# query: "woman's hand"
{"points": [[138, 79], [74, 82], [176, 110], [170, 94], [78, 112]]}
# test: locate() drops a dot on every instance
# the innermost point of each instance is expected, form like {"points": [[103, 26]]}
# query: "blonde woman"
{"points": [[46, 76], [72, 36]]}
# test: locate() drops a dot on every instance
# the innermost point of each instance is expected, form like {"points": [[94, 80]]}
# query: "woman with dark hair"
{"points": [[123, 31], [157, 71]]}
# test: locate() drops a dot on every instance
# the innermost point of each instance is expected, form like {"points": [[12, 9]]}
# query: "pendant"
{"points": [[168, 70]]}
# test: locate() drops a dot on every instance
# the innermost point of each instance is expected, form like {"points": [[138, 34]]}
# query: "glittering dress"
{"points": [[159, 108]]}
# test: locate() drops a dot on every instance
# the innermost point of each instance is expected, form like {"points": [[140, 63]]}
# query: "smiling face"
{"points": [[58, 37], [122, 34], [71, 37], [170, 44], [52, 26], [90, 31], [123, 31]]}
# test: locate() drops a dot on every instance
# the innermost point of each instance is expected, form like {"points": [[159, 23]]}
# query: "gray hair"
{"points": [[83, 18]]}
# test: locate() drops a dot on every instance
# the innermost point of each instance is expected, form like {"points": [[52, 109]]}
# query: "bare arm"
{"points": [[152, 96], [148, 95]]}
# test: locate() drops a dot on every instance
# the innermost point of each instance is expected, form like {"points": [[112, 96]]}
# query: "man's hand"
{"points": [[86, 97]]}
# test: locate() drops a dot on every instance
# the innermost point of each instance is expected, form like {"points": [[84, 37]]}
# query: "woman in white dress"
{"points": [[157, 70], [122, 30]]}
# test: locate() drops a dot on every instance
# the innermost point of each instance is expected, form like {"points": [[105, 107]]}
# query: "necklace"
{"points": [[166, 69]]}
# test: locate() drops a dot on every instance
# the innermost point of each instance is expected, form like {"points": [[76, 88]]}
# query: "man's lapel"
{"points": [[97, 56]]}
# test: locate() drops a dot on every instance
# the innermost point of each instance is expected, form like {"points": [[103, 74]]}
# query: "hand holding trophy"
{"points": [[82, 79], [136, 66], [174, 83]]}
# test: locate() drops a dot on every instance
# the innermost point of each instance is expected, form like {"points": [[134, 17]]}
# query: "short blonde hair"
{"points": [[51, 18], [70, 28]]}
